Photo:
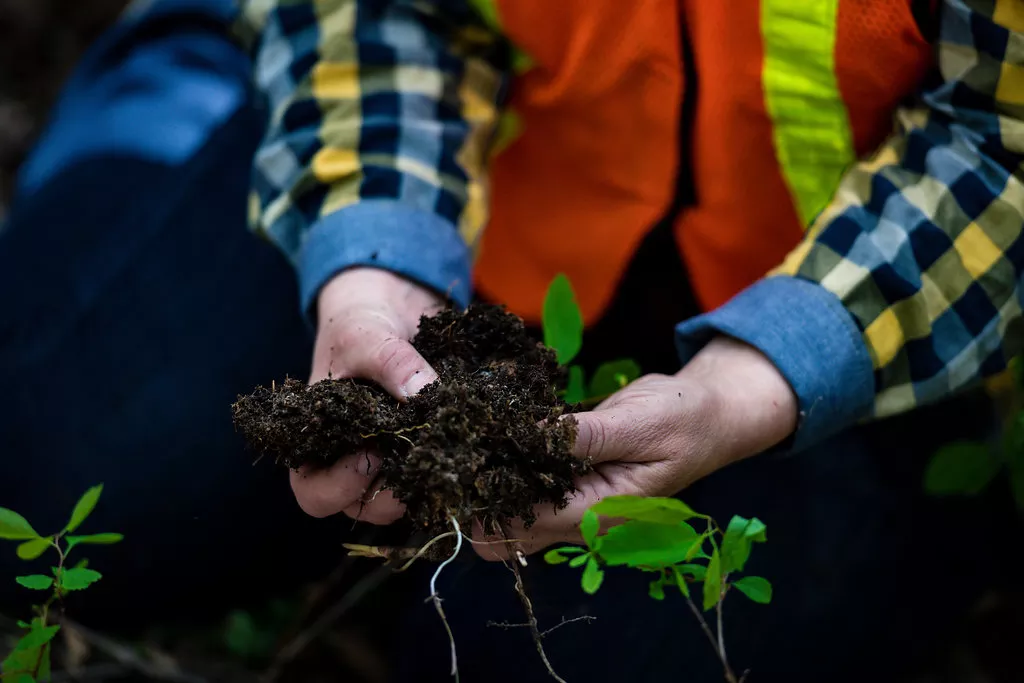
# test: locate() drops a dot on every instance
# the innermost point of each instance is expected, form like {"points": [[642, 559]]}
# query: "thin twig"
{"points": [[295, 647], [721, 635], [437, 598], [98, 672], [715, 643], [704, 625], [729, 674], [127, 657]]}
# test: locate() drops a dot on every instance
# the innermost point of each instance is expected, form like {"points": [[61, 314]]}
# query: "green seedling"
{"points": [[966, 468], [29, 661], [562, 323], [657, 536]]}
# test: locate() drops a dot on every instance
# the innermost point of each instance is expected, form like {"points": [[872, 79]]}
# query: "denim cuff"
{"points": [[384, 234], [810, 337]]}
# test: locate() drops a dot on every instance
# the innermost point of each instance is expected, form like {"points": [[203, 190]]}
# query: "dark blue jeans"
{"points": [[135, 306]]}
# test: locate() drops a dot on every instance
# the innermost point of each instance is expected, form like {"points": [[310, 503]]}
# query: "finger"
{"points": [[381, 507], [326, 492], [394, 364], [602, 436], [563, 526]]}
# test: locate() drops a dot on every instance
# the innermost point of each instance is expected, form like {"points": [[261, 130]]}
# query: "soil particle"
{"points": [[483, 442]]}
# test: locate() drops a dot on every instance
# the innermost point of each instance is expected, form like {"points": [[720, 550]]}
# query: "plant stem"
{"points": [[729, 675], [704, 626]]}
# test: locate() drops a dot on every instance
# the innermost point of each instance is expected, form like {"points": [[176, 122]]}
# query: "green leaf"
{"points": [[30, 550], [739, 537], [14, 527], [657, 589], [77, 579], [1013, 438], [1014, 449], [32, 652], [579, 560], [25, 678], [1017, 483], [589, 527], [562, 320], [755, 588], [612, 376], [37, 582], [713, 581], [592, 577], [698, 549], [94, 539], [575, 390], [962, 467], [246, 637], [636, 543], [43, 675], [37, 637], [697, 571], [20, 662], [684, 586], [83, 508], [561, 555], [660, 510]]}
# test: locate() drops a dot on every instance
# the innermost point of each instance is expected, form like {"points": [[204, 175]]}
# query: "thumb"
{"points": [[399, 368], [600, 436]]}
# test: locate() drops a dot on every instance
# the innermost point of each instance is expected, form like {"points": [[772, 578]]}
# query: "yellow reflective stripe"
{"points": [[811, 129]]}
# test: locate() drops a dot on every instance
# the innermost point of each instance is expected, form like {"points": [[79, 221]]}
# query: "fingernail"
{"points": [[420, 379]]}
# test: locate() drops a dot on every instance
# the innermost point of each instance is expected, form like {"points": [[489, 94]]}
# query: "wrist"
{"points": [[368, 285], [752, 406]]}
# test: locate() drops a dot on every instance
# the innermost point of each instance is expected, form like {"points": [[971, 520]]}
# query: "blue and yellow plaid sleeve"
{"points": [[907, 287], [380, 114], [923, 243]]}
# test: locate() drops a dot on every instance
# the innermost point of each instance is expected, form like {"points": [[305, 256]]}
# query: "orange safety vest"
{"points": [[788, 94]]}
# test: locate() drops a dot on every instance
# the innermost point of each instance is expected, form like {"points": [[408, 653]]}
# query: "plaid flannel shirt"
{"points": [[904, 290]]}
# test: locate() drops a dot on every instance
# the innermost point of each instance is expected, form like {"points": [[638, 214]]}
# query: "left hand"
{"points": [[661, 433]]}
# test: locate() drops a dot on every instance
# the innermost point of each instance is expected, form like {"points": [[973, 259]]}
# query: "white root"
{"points": [[437, 598]]}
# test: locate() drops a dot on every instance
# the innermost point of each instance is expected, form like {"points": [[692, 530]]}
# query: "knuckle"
{"points": [[595, 436], [393, 358]]}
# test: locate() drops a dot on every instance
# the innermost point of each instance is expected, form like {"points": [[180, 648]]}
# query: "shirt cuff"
{"points": [[810, 337], [382, 234]]}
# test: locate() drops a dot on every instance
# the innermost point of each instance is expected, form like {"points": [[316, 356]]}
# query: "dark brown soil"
{"points": [[482, 442]]}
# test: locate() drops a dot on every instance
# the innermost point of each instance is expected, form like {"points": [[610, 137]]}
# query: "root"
{"points": [[544, 634], [531, 618], [426, 546], [392, 553], [397, 432], [437, 598]]}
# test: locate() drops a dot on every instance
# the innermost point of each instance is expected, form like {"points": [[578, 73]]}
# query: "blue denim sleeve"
{"points": [[383, 234], [154, 86], [810, 337]]}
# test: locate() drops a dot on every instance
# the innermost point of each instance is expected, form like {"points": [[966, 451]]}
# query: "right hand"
{"points": [[366, 319]]}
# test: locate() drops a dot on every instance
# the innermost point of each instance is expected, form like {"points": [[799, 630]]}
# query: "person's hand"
{"points": [[661, 433], [365, 320]]}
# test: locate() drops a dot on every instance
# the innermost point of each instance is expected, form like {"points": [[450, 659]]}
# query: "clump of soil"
{"points": [[483, 442]]}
